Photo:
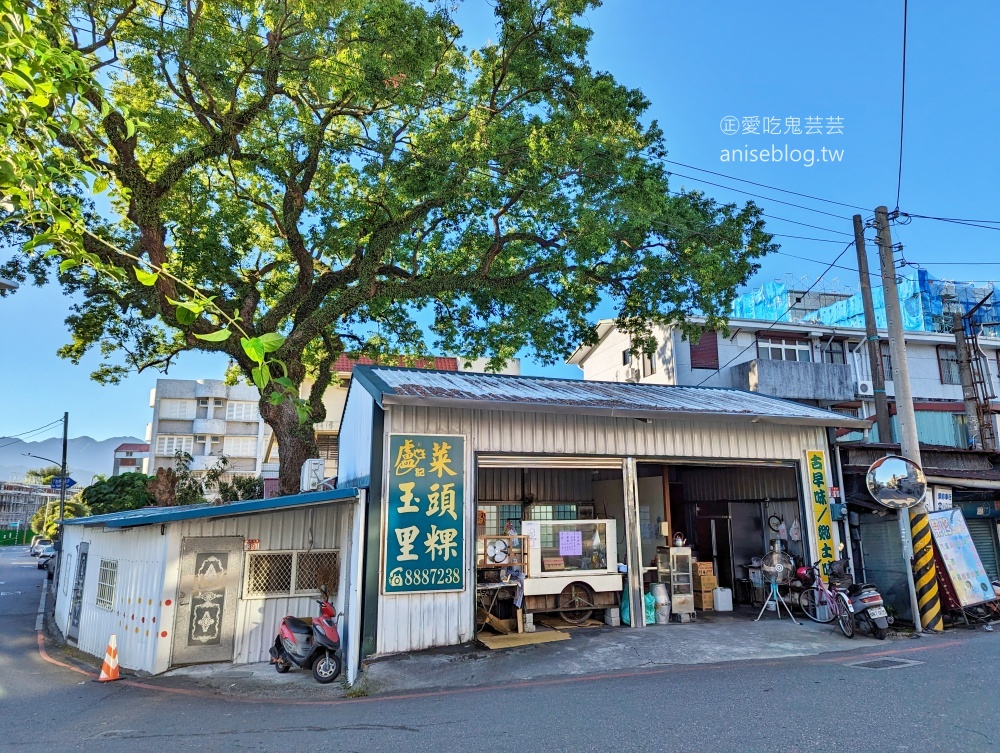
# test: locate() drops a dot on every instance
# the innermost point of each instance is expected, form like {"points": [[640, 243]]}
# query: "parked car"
{"points": [[39, 545], [45, 555]]}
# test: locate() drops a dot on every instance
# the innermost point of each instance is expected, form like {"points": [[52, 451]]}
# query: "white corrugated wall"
{"points": [[409, 623], [135, 616], [299, 529], [354, 452]]}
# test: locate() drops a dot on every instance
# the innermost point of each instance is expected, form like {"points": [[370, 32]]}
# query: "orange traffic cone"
{"points": [[109, 669]]}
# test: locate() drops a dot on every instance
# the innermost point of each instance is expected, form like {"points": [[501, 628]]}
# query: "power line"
{"points": [[30, 434], [32, 431], [764, 185], [757, 195], [805, 224], [966, 223], [806, 238], [778, 320], [902, 109]]}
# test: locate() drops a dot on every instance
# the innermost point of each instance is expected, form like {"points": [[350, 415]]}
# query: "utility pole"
{"points": [[968, 386], [62, 472], [871, 331], [918, 551]]}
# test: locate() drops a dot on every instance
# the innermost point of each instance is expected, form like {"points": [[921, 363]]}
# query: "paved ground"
{"points": [[943, 702]]}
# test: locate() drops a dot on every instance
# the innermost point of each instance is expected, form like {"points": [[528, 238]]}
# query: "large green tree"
{"points": [[287, 180], [127, 491]]}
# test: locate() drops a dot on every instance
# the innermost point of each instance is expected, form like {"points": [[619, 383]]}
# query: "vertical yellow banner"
{"points": [[817, 491]]}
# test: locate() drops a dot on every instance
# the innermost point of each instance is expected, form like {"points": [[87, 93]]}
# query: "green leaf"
{"points": [[271, 341], [261, 376], [129, 129], [185, 315], [100, 185], [146, 278], [67, 264], [215, 337], [285, 382], [18, 79], [254, 349], [276, 398]]}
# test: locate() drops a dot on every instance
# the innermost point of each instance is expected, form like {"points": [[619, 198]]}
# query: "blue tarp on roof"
{"points": [[926, 305], [155, 515]]}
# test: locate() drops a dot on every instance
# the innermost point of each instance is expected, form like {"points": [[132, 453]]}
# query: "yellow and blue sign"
{"points": [[425, 524], [817, 492]]}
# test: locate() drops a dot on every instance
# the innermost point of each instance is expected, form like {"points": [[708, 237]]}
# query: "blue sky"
{"points": [[699, 63]]}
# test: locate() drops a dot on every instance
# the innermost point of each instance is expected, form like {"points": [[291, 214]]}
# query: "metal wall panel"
{"points": [[354, 454], [410, 623], [738, 483], [300, 529], [136, 618], [544, 484]]}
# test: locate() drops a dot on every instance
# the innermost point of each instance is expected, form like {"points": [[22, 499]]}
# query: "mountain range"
{"points": [[85, 456]]}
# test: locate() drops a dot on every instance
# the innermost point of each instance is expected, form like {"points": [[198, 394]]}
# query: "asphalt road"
{"points": [[946, 702]]}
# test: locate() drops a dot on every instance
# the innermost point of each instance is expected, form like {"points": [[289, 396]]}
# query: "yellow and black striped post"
{"points": [[924, 572]]}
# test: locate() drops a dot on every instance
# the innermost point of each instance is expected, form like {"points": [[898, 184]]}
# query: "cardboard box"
{"points": [[705, 582], [704, 600], [703, 568]]}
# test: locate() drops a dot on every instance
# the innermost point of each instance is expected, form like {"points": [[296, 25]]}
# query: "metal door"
{"points": [[205, 621], [73, 629], [981, 531]]}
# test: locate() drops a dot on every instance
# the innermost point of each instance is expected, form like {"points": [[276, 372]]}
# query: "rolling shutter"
{"points": [[705, 353], [981, 531]]}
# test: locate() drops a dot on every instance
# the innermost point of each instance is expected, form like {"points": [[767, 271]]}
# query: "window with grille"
{"points": [[327, 444], [648, 364], [177, 409], [784, 349], [886, 361], [170, 446], [242, 411], [240, 447], [626, 357], [107, 580], [283, 574], [948, 363]]}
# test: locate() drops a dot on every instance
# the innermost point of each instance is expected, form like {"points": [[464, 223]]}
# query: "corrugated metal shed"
{"points": [[396, 386]]}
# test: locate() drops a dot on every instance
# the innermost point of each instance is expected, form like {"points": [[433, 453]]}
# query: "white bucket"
{"points": [[659, 592]]}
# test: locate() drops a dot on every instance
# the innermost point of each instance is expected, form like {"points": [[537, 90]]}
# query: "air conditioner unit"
{"points": [[312, 474], [865, 388], [632, 374]]}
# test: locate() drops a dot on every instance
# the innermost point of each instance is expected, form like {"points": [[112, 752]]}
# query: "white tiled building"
{"points": [[207, 419]]}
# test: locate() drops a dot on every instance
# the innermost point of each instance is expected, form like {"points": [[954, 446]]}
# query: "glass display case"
{"points": [[564, 547]]}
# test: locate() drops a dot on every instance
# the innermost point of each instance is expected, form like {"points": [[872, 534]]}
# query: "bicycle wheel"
{"points": [[845, 618], [818, 605]]}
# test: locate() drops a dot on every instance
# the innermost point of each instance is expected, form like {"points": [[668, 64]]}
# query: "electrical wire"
{"points": [[778, 320], [902, 109], [29, 434], [763, 185], [757, 195]]}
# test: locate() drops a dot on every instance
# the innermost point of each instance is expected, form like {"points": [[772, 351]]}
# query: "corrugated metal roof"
{"points": [[132, 448], [153, 515], [391, 385]]}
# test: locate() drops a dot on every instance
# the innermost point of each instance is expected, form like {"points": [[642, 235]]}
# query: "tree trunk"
{"points": [[296, 443]]}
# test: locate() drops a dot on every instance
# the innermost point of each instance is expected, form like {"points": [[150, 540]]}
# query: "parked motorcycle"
{"points": [[310, 643], [869, 609]]}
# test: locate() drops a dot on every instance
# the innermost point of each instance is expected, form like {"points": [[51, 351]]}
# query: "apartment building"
{"points": [[207, 419], [130, 457]]}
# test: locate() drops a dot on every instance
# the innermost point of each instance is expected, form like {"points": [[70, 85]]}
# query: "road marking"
{"points": [[11, 593]]}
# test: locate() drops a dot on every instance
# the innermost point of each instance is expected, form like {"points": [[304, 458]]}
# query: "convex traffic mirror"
{"points": [[895, 482]]}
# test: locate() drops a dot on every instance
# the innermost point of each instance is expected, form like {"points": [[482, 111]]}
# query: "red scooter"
{"points": [[310, 643]]}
